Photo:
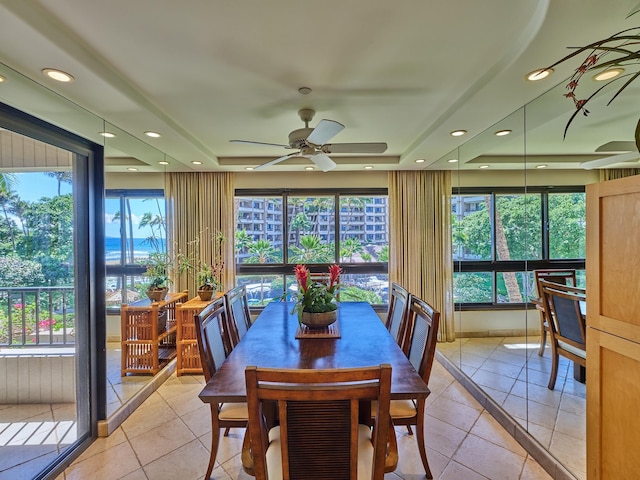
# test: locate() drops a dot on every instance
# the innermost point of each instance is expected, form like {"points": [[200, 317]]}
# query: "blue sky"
{"points": [[33, 186]]}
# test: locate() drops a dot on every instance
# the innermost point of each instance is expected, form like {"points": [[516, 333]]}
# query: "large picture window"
{"points": [[501, 235], [135, 228], [277, 230]]}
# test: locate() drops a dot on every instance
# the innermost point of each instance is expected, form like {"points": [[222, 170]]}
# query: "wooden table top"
{"points": [[271, 342]]}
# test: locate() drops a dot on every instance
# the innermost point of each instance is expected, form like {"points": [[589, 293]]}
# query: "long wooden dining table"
{"points": [[271, 342]]}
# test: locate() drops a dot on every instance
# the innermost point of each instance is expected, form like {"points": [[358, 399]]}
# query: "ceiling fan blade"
{"points": [[375, 147], [277, 160], [260, 143], [323, 161], [325, 131], [606, 161]]}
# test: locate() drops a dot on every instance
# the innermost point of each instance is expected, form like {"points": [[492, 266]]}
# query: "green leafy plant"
{"points": [[208, 276], [158, 265], [620, 50], [316, 297]]}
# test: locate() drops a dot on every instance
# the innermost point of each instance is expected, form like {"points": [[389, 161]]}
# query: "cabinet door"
{"points": [[613, 420], [613, 256]]}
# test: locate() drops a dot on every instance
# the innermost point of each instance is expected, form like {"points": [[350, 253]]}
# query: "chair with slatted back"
{"points": [[238, 317], [211, 344], [397, 315], [567, 324], [319, 435], [423, 322], [561, 276]]}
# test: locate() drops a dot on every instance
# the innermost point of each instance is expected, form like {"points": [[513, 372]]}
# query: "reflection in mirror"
{"points": [[507, 222]]}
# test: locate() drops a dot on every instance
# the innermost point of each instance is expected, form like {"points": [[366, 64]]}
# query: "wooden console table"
{"points": [[187, 345], [148, 331]]}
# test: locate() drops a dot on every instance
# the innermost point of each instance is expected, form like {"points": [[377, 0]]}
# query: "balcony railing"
{"points": [[37, 316]]}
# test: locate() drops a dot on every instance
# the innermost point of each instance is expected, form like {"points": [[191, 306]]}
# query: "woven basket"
{"points": [[319, 320]]}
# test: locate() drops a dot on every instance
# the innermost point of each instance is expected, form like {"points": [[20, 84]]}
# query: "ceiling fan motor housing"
{"points": [[297, 138]]}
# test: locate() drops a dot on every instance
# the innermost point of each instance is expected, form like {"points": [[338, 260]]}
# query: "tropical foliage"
{"points": [[316, 296]]}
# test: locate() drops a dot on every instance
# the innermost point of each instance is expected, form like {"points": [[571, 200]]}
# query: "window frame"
{"points": [[286, 269], [124, 269], [495, 266]]}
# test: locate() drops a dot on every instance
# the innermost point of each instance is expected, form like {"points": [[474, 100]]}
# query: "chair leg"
{"points": [[215, 439], [554, 369], [420, 438], [226, 431], [543, 336], [409, 431]]}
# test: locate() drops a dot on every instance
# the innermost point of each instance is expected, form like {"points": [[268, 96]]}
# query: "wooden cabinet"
{"points": [[148, 331], [613, 334], [187, 345]]}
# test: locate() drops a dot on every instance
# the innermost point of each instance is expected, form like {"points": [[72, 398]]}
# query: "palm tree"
{"points": [[243, 240], [61, 177], [8, 198], [350, 247], [311, 250]]}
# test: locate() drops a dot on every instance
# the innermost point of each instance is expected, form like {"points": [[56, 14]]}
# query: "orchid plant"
{"points": [[316, 297]]}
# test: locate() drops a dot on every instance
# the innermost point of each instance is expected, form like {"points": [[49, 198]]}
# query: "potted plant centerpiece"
{"points": [[208, 277], [316, 302], [205, 268], [158, 267]]}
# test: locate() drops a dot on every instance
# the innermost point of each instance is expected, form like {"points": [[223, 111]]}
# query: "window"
{"points": [[317, 228], [500, 236], [135, 228]]}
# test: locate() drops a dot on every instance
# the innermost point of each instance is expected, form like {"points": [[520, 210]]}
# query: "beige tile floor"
{"points": [[511, 372], [168, 437]]}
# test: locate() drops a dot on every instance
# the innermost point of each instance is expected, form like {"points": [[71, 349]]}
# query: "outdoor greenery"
{"points": [[36, 250], [518, 236]]}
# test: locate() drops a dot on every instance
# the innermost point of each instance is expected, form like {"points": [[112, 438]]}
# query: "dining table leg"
{"points": [[420, 437]]}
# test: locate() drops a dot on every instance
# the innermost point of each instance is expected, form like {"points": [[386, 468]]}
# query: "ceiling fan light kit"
{"points": [[312, 143]]}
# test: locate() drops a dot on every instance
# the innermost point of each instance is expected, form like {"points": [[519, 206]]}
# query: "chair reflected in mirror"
{"points": [[566, 324], [560, 276]]}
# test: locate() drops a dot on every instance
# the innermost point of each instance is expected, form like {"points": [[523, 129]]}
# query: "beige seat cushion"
{"points": [[365, 454], [233, 411], [398, 408]]}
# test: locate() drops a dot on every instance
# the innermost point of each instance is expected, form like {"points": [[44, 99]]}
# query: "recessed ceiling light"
{"points": [[541, 166], [502, 133], [308, 168], [132, 169], [304, 90], [163, 162], [420, 160], [152, 134], [196, 162], [458, 133], [368, 167], [58, 75], [608, 74], [107, 134], [483, 166], [3, 79], [539, 74], [248, 168], [452, 160]]}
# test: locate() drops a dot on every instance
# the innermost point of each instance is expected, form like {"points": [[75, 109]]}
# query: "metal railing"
{"points": [[37, 316]]}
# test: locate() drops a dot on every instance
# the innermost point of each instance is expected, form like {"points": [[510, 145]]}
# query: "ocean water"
{"points": [[141, 248]]}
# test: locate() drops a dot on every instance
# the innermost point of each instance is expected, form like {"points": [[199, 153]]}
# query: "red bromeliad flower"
{"points": [[302, 275], [334, 275]]}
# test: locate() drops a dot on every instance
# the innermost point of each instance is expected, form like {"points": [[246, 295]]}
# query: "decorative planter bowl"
{"points": [[319, 320], [206, 295], [157, 295]]}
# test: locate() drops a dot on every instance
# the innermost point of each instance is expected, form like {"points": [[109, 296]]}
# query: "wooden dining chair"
{"points": [[211, 344], [319, 435], [238, 316], [567, 324], [423, 322], [561, 276], [397, 315]]}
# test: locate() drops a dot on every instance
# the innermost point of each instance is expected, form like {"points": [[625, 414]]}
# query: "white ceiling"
{"points": [[203, 72]]}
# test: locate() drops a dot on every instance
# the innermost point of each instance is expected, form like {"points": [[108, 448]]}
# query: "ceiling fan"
{"points": [[312, 143]]}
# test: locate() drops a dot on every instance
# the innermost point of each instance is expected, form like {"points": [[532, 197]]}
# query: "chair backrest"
{"points": [[563, 304], [397, 314], [210, 323], [238, 317], [423, 336], [560, 276], [319, 429]]}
